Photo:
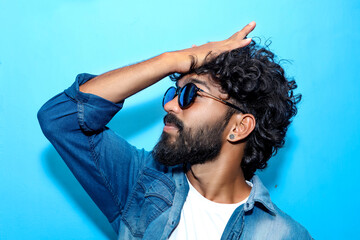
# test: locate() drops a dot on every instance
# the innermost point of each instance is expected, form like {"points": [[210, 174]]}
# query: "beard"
{"points": [[191, 146]]}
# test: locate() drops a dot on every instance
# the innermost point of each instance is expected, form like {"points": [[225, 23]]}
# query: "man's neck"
{"points": [[220, 180]]}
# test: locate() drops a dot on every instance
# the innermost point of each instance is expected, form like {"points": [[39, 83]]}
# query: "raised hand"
{"points": [[199, 53], [121, 83]]}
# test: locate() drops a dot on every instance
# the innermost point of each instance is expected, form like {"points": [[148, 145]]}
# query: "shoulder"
{"points": [[291, 228], [260, 223], [267, 221]]}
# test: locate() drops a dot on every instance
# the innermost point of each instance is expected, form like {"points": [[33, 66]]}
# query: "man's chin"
{"points": [[164, 151], [168, 140], [167, 159]]}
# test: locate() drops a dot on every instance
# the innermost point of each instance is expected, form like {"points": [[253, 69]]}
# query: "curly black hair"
{"points": [[254, 80]]}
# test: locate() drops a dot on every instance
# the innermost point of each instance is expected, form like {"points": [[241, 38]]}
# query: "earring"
{"points": [[232, 136]]}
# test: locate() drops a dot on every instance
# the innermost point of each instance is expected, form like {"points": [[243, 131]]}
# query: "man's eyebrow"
{"points": [[195, 80]]}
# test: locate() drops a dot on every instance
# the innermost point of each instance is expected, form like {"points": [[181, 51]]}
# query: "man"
{"points": [[226, 117]]}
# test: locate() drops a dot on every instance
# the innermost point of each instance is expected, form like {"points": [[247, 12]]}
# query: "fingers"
{"points": [[245, 42], [245, 31]]}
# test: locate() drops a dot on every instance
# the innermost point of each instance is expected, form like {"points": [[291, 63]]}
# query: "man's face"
{"points": [[193, 135]]}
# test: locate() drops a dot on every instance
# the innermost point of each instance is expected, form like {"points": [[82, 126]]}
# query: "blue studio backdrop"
{"points": [[45, 44]]}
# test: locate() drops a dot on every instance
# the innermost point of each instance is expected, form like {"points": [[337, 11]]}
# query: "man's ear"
{"points": [[242, 126]]}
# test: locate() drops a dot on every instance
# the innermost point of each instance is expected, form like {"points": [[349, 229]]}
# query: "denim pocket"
{"points": [[152, 195]]}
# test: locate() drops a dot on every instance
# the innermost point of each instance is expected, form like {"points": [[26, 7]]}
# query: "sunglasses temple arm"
{"points": [[225, 102], [233, 106]]}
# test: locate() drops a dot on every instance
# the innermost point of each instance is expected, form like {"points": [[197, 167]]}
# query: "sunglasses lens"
{"points": [[169, 95], [187, 95]]}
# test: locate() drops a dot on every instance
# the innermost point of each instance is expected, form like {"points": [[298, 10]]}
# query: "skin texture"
{"points": [[220, 180]]}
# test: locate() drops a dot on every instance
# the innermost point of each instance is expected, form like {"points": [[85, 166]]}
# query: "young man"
{"points": [[226, 117]]}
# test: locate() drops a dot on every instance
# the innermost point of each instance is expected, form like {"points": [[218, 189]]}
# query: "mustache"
{"points": [[172, 119]]}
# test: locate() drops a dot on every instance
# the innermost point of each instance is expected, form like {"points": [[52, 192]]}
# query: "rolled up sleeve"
{"points": [[93, 112]]}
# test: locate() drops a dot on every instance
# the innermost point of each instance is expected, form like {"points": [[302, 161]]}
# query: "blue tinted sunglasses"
{"points": [[187, 95]]}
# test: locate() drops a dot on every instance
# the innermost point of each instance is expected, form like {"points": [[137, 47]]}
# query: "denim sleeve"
{"points": [[104, 163]]}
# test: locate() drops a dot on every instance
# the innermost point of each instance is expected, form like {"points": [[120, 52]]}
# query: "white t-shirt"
{"points": [[203, 219]]}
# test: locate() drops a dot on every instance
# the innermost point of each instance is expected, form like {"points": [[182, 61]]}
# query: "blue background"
{"points": [[45, 44]]}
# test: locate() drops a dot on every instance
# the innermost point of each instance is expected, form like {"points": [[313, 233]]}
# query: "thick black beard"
{"points": [[191, 146]]}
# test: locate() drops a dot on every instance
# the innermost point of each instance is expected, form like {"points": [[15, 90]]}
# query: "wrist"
{"points": [[177, 62]]}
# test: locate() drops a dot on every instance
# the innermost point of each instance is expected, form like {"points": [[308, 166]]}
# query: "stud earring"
{"points": [[232, 136]]}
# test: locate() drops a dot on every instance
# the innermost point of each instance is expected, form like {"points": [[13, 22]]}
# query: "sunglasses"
{"points": [[187, 95]]}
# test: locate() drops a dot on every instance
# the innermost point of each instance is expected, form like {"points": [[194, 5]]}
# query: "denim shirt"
{"points": [[141, 198]]}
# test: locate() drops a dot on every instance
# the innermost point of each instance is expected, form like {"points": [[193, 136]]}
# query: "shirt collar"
{"points": [[259, 194]]}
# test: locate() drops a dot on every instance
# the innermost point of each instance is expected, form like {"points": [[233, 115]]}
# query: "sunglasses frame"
{"points": [[178, 91]]}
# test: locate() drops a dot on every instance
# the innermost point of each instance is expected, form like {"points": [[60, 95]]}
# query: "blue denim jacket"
{"points": [[141, 198]]}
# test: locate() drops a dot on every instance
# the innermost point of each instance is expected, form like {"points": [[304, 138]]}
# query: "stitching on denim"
{"points": [[125, 213], [107, 183], [150, 172], [151, 217], [133, 231], [96, 158], [81, 117], [70, 97], [233, 232], [156, 206], [169, 203], [131, 196], [267, 206], [271, 210], [128, 206], [243, 222]]}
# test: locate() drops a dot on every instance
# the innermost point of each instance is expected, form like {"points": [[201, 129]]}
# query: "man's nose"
{"points": [[172, 106]]}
